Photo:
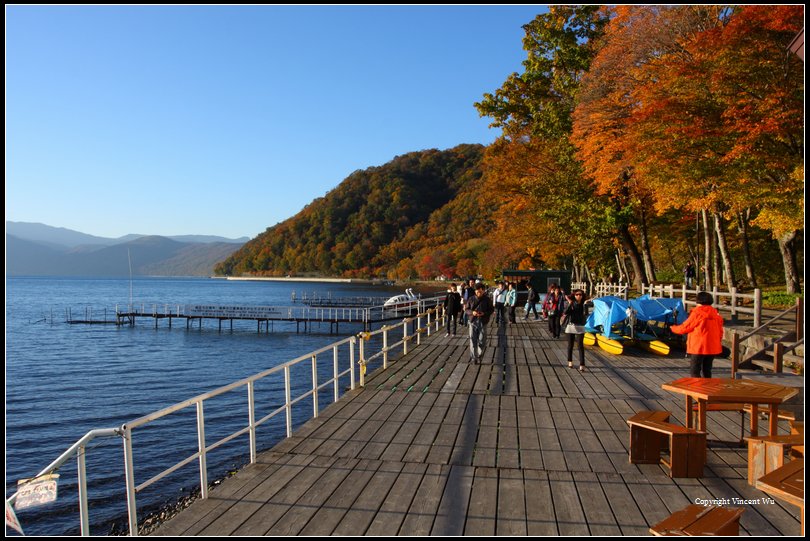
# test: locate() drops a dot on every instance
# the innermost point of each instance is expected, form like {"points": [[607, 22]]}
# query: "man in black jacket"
{"points": [[479, 309], [452, 307]]}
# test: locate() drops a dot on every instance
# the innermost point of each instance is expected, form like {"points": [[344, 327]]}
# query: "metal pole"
{"points": [[351, 361], [288, 399], [252, 421], [201, 445], [314, 385], [129, 469], [385, 347], [335, 372], [84, 519]]}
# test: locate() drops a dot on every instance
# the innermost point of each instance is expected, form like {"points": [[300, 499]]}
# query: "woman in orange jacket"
{"points": [[705, 341]]}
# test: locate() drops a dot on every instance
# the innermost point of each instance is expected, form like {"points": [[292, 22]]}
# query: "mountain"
{"points": [[62, 237], [150, 256], [423, 213]]}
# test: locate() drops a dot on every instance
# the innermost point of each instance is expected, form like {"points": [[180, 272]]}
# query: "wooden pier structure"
{"points": [[303, 316], [517, 445]]}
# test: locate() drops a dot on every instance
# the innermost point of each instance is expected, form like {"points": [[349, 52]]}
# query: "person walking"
{"points": [[576, 313], [469, 291], [689, 275], [479, 309], [704, 342], [511, 301], [531, 303], [499, 298], [452, 306], [553, 308]]}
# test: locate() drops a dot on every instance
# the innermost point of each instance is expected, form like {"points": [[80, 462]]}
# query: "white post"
{"points": [[385, 347], [335, 372], [362, 361], [129, 469], [288, 399], [405, 336], [314, 386], [351, 361], [252, 422], [201, 444], [84, 519], [757, 307]]}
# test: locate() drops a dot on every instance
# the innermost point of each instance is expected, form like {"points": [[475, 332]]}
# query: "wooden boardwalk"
{"points": [[518, 445]]}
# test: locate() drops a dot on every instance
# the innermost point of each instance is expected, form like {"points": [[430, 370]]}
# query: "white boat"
{"points": [[404, 301]]}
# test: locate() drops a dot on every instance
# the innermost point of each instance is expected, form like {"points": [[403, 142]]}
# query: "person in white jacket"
{"points": [[511, 301]]}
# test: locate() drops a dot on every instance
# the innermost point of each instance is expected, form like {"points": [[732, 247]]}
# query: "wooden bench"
{"points": [[767, 453], [743, 409], [698, 520], [650, 433], [787, 484]]}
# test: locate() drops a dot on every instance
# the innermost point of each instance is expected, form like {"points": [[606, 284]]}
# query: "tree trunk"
{"points": [[649, 267], [707, 250], [623, 275], [787, 247], [630, 248], [723, 251], [742, 226]]}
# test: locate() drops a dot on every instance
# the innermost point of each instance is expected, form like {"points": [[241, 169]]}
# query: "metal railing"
{"points": [[778, 346], [430, 317]]}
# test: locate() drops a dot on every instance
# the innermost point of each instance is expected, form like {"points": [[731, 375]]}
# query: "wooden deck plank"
{"points": [[483, 507], [518, 445]]}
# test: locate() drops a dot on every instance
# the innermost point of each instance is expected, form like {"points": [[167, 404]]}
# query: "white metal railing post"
{"points": [[84, 518], [418, 329], [314, 385], [385, 347], [428, 322], [129, 470], [288, 399], [362, 361], [201, 445], [405, 336], [335, 372], [252, 421], [351, 361]]}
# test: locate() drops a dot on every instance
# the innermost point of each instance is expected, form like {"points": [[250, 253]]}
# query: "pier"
{"points": [[517, 445], [304, 316]]}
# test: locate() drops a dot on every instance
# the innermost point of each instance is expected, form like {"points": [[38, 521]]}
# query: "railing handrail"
{"points": [[776, 317], [125, 431], [140, 421]]}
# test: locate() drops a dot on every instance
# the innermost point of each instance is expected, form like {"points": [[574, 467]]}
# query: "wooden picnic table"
{"points": [[743, 391], [787, 484]]}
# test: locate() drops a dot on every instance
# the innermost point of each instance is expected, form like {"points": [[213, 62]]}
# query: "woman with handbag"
{"points": [[576, 313], [553, 307]]}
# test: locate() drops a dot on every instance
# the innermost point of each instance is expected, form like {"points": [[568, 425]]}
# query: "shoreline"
{"points": [[298, 279]]}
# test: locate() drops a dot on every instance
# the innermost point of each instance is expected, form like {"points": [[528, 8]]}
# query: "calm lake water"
{"points": [[64, 380]]}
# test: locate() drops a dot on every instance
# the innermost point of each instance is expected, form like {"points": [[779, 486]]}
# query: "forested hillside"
{"points": [[636, 139], [422, 214]]}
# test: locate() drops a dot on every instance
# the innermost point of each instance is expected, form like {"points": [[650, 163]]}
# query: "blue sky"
{"points": [[225, 120]]}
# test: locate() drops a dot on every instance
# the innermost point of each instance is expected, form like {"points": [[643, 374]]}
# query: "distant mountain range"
{"points": [[34, 249]]}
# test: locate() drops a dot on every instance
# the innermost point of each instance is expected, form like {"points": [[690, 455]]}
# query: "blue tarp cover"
{"points": [[670, 311], [607, 312]]}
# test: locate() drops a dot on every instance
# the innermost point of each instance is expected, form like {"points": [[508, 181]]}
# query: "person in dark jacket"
{"points": [[452, 307], [576, 312], [704, 342], [531, 302], [479, 308]]}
